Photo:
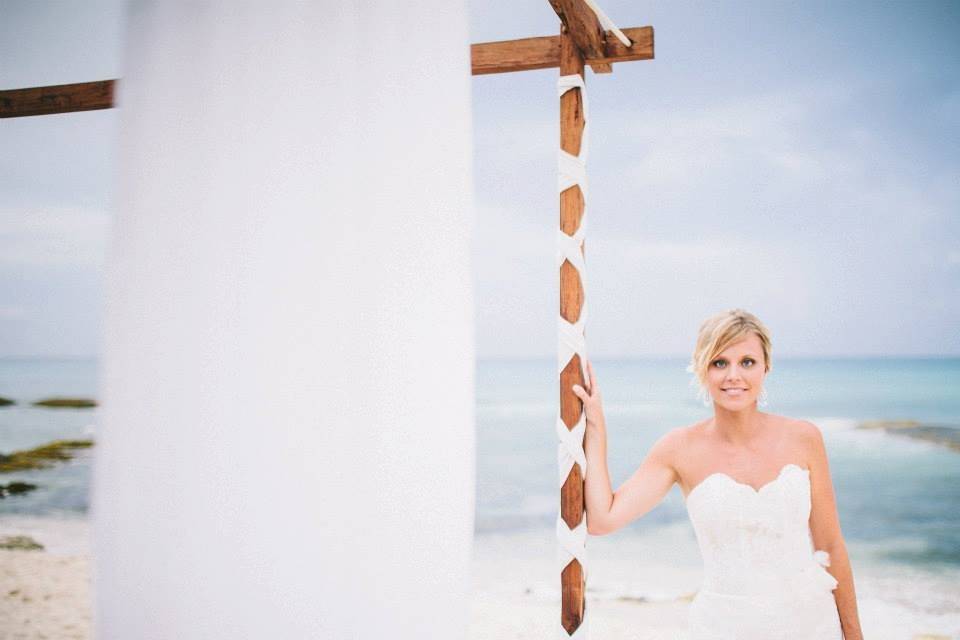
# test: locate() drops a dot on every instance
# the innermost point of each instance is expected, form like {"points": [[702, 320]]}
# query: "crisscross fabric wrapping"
{"points": [[572, 171]]}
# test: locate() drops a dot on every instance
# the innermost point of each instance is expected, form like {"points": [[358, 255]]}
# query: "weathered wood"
{"points": [[486, 58], [544, 52], [61, 98], [641, 46], [583, 26], [572, 584], [515, 55]]}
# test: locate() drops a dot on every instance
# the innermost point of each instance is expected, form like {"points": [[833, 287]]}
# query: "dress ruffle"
{"points": [[822, 557], [815, 575]]}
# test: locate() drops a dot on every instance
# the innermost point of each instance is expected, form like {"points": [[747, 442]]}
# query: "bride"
{"points": [[758, 492]]}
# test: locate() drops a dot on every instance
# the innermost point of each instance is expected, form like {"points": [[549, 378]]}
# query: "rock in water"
{"points": [[73, 403], [15, 488], [23, 543]]}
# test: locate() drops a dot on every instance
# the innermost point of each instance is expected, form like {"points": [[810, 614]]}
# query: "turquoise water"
{"points": [[62, 489], [898, 498]]}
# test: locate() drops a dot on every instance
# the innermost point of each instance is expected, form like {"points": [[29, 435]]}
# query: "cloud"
{"points": [[746, 139], [795, 204], [53, 235], [12, 312]]}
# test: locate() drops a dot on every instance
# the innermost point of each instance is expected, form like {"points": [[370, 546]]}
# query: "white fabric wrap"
{"points": [[572, 171], [262, 468]]}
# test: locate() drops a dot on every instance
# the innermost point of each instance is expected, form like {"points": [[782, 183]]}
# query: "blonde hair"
{"points": [[716, 334]]}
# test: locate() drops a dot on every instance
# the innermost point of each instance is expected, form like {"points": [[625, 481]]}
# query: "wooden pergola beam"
{"points": [[61, 98], [485, 57], [544, 52], [582, 25]]}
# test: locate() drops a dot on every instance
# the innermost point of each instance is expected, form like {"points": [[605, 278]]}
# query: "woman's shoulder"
{"points": [[681, 437], [691, 430], [798, 426], [802, 437], [671, 443]]}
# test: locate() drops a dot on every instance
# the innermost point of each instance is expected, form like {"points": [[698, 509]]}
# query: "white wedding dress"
{"points": [[762, 578]]}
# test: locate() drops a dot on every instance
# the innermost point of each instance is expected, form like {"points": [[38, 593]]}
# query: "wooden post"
{"points": [[573, 586]]}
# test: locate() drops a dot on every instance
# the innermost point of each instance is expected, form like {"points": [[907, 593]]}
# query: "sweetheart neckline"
{"points": [[744, 484]]}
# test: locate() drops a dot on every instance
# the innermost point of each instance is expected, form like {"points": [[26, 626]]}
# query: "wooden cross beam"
{"points": [[61, 98], [582, 41], [485, 57], [544, 53]]}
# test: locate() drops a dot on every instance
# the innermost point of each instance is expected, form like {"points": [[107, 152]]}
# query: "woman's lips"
{"points": [[734, 392]]}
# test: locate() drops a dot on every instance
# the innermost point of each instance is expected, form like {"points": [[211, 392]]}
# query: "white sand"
{"points": [[526, 618], [47, 594], [43, 595]]}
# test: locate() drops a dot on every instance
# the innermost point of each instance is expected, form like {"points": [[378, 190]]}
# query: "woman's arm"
{"points": [[826, 534], [608, 511]]}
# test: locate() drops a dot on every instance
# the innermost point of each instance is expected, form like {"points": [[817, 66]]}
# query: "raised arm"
{"points": [[608, 511]]}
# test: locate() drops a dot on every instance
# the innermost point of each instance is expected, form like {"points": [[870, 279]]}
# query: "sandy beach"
{"points": [[526, 618], [47, 594]]}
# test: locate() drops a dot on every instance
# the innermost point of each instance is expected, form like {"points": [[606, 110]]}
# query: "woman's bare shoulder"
{"points": [[677, 438], [690, 431], [796, 426], [806, 434], [801, 436]]}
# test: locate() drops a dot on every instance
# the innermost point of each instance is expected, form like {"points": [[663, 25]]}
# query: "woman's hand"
{"points": [[592, 401]]}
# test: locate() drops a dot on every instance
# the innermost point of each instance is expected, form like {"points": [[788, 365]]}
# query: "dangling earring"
{"points": [[705, 396], [762, 398]]}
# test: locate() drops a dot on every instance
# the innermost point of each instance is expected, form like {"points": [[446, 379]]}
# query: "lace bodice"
{"points": [[757, 542]]}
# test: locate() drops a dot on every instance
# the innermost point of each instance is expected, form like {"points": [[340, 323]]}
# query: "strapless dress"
{"points": [[763, 579]]}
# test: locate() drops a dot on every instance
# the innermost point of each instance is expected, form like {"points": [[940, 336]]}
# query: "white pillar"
{"points": [[287, 447]]}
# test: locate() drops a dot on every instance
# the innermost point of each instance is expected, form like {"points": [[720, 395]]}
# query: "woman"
{"points": [[757, 489]]}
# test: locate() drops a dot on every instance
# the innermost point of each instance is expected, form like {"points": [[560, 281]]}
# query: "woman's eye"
{"points": [[750, 360], [719, 362]]}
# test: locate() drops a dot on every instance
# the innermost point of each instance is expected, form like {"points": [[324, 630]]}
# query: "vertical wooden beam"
{"points": [[573, 587]]}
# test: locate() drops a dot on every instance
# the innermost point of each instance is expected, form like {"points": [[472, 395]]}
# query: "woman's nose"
{"points": [[733, 373]]}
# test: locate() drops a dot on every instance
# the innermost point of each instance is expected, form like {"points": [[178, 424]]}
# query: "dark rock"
{"points": [[15, 488], [945, 435], [72, 403], [40, 457], [25, 543]]}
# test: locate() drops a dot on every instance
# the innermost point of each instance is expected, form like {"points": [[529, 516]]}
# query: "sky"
{"points": [[797, 160]]}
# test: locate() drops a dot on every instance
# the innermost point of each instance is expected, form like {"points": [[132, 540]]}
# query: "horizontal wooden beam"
{"points": [[544, 52], [61, 98], [485, 58]]}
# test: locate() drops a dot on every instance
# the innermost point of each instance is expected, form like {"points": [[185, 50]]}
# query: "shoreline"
{"points": [[514, 587]]}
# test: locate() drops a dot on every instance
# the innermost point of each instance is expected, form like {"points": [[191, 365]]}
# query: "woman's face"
{"points": [[735, 376]]}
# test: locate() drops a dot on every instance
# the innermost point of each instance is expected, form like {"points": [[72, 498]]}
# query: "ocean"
{"points": [[898, 497]]}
